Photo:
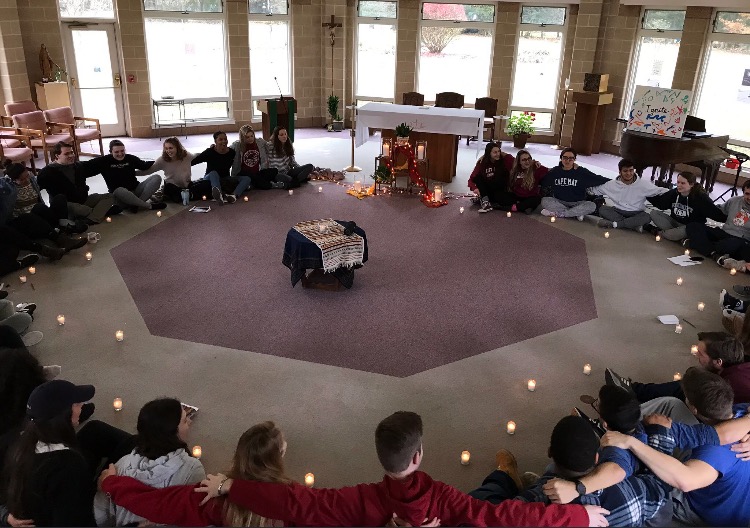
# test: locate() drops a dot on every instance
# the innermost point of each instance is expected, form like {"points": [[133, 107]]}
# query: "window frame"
{"points": [[270, 17], [88, 19], [176, 15], [539, 27], [467, 24], [640, 35], [375, 21], [711, 37]]}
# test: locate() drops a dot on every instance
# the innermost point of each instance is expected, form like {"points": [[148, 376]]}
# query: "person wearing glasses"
{"points": [[525, 176], [568, 183]]}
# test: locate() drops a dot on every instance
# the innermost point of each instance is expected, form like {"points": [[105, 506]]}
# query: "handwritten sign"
{"points": [[660, 111]]}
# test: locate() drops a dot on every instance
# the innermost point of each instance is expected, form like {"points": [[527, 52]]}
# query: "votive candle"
{"points": [[61, 319], [531, 385], [587, 369], [117, 404], [511, 428], [119, 335], [197, 452], [465, 458], [309, 480]]}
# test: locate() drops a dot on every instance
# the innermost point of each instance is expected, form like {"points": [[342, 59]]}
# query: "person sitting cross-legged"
{"points": [[568, 183], [638, 500], [490, 179], [219, 159], [711, 486]]}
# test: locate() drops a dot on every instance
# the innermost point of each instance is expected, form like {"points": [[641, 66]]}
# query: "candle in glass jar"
{"points": [[461, 210], [687, 252], [61, 319], [291, 192], [386, 150], [511, 428], [205, 197], [32, 270], [89, 255], [508, 214], [701, 306], [678, 329], [117, 404], [531, 385], [357, 186], [119, 335], [694, 350], [158, 214], [320, 189], [587, 369], [197, 452], [309, 480], [606, 234], [552, 219], [246, 199], [420, 152], [679, 281], [22, 278], [465, 457], [733, 271], [677, 376], [658, 238], [109, 219]]}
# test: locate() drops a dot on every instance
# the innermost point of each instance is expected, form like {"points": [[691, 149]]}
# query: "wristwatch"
{"points": [[580, 488]]}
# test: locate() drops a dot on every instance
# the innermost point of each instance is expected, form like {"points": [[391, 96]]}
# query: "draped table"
{"points": [[440, 127]]}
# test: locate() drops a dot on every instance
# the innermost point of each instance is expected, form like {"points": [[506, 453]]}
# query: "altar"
{"points": [[440, 127]]}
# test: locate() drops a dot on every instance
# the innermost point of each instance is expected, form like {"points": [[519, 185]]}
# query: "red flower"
{"points": [[532, 114]]}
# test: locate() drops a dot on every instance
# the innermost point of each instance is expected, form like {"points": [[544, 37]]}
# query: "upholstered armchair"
{"points": [[21, 152], [64, 117], [41, 133]]}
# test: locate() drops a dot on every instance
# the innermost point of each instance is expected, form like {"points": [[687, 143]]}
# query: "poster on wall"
{"points": [[660, 111]]}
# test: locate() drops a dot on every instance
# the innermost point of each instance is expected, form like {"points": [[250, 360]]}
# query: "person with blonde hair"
{"points": [[525, 176], [251, 159], [175, 162], [259, 456], [280, 153]]}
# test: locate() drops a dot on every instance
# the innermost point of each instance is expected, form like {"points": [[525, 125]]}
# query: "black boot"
{"points": [[69, 243], [52, 253]]}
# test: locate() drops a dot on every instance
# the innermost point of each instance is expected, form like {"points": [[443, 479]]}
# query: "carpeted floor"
{"points": [[217, 279]]}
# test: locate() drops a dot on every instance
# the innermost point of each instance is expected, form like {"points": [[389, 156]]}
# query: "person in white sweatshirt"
{"points": [[627, 194], [160, 459]]}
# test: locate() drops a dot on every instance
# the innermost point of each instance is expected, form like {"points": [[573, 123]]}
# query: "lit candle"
{"points": [[587, 369], [89, 255], [420, 152], [320, 189], [119, 335], [197, 452], [205, 198], [117, 404], [508, 214], [679, 281], [532, 385], [22, 278], [438, 194], [386, 150], [357, 186], [61, 319], [694, 350], [511, 427], [687, 252], [606, 234], [678, 329], [701, 306], [465, 457], [32, 270], [677, 376], [322, 228], [658, 238], [461, 210], [158, 214], [733, 271], [109, 219], [247, 199], [309, 480], [291, 192], [552, 219]]}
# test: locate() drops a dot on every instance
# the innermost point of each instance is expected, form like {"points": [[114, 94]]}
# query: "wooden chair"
{"points": [[7, 137], [20, 153], [413, 99], [64, 116], [41, 133], [449, 100], [489, 105], [17, 107]]}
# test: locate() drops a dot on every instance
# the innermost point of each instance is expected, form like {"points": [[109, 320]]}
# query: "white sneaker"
{"points": [[486, 206], [547, 212], [216, 193], [580, 218]]}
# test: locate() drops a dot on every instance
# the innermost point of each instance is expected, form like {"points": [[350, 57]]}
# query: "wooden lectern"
{"points": [[589, 121], [278, 112]]}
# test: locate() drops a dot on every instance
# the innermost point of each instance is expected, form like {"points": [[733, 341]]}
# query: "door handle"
{"points": [[118, 80]]}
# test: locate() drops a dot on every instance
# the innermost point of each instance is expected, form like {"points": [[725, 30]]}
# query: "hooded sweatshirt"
{"points": [[688, 209], [570, 185], [118, 173], [628, 196], [262, 150], [173, 469], [738, 217], [413, 499]]}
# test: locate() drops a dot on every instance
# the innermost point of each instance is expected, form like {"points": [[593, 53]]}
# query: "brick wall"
{"points": [[14, 80], [407, 48], [39, 25], [503, 58], [697, 24]]}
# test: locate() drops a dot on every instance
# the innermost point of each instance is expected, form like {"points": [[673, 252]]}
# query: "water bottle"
{"points": [[185, 196]]}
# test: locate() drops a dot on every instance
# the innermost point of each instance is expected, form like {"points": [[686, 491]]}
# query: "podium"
{"points": [[588, 126], [277, 112]]}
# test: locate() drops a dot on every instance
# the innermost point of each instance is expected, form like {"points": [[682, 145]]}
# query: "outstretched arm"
{"points": [[603, 476]]}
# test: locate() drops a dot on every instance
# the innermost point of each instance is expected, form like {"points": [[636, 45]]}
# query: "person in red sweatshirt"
{"points": [[410, 494], [525, 175]]}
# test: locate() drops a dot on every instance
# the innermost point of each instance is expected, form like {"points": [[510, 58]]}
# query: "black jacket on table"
{"points": [[118, 173], [68, 180], [688, 209]]}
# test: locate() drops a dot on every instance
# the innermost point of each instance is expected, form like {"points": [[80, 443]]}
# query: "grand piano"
{"points": [[702, 150]]}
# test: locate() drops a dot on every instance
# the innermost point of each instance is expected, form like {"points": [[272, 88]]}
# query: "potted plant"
{"points": [[402, 134], [521, 127], [333, 110]]}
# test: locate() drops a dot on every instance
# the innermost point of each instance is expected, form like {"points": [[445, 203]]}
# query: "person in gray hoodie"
{"points": [[728, 245], [160, 459]]}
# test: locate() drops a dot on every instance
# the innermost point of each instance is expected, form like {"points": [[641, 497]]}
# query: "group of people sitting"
{"points": [[655, 453], [568, 190]]}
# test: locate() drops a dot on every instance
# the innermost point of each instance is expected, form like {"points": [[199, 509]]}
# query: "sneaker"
{"points": [[604, 223], [721, 259], [486, 207], [87, 410], [529, 479], [76, 227], [26, 308], [742, 290], [69, 243], [158, 205], [547, 212], [216, 193], [278, 185], [51, 372], [651, 228], [158, 196], [580, 218], [52, 253], [230, 198], [612, 378], [506, 462], [114, 210], [732, 303], [28, 260], [738, 265], [639, 229], [686, 243]]}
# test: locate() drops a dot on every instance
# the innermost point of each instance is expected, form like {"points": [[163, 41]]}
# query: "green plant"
{"points": [[333, 107], [521, 124], [382, 174], [403, 130]]}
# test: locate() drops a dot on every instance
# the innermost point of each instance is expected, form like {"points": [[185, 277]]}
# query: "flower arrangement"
{"points": [[521, 124]]}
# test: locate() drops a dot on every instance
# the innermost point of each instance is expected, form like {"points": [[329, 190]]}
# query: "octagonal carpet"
{"points": [[438, 287]]}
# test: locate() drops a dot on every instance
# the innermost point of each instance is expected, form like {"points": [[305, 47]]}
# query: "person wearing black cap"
{"points": [[48, 479]]}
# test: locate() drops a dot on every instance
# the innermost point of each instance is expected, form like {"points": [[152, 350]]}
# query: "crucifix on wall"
{"points": [[332, 25]]}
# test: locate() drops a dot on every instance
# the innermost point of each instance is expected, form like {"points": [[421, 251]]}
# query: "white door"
{"points": [[96, 82]]}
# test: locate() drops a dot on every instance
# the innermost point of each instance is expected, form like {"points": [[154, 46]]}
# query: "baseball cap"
{"points": [[55, 397]]}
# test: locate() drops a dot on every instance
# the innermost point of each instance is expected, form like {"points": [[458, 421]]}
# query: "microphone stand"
{"points": [[281, 95], [352, 167]]}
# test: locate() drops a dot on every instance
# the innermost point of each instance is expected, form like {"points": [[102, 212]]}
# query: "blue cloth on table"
{"points": [[302, 254]]}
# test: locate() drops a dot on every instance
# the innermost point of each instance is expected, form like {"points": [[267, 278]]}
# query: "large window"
{"points": [[376, 50], [536, 73], [270, 50], [87, 9], [456, 49], [655, 57], [724, 97]]}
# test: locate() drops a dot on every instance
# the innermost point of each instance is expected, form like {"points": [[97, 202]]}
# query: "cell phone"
{"points": [[697, 259]]}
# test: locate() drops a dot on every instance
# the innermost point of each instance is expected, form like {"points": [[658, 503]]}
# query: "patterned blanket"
{"points": [[337, 249]]}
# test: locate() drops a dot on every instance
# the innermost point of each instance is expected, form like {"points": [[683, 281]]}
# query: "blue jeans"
{"points": [[496, 488], [243, 182]]}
